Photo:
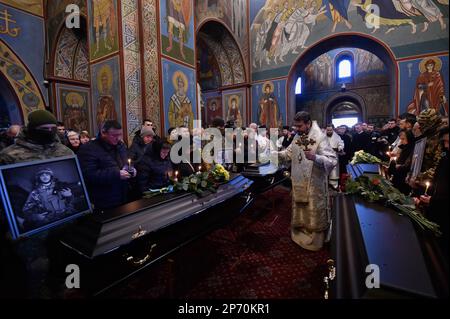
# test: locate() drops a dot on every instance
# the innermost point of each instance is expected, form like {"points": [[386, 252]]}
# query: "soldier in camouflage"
{"points": [[38, 141]]}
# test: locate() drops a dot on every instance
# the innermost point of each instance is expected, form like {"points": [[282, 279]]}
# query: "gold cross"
{"points": [[305, 142]]}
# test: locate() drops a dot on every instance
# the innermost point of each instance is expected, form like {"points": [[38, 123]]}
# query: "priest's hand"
{"points": [[311, 155]]}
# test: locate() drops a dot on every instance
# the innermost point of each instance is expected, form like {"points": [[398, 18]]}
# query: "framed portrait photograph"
{"points": [[417, 159], [43, 194]]}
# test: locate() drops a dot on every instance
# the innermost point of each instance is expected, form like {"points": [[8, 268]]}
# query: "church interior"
{"points": [[334, 183]]}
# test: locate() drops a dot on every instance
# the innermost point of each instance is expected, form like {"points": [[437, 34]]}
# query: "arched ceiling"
{"points": [[225, 51]]}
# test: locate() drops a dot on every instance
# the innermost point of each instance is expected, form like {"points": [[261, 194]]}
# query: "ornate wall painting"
{"points": [[232, 13], [281, 30], [132, 60], [234, 103], [22, 31], [424, 82], [177, 30], [106, 98], [56, 15], [269, 103], [21, 81], [180, 95], [73, 107], [103, 28], [151, 64], [31, 6]]}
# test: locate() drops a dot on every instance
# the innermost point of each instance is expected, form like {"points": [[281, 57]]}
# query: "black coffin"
{"points": [[111, 246], [365, 233], [265, 176]]}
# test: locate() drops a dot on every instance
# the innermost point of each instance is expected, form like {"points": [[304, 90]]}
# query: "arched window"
{"points": [[298, 86], [344, 68]]}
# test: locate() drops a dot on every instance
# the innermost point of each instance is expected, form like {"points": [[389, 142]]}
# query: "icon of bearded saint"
{"points": [[75, 116]]}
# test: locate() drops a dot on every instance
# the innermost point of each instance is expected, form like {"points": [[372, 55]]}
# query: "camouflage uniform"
{"points": [[24, 150]]}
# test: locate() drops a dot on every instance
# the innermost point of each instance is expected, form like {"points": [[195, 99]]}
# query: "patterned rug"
{"points": [[251, 258]]}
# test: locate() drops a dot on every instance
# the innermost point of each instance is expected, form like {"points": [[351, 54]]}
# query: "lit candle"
{"points": [[176, 176], [129, 162], [426, 189], [199, 168]]}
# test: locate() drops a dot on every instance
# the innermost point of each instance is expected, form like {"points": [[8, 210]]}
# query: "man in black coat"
{"points": [[360, 140], [345, 156], [104, 163]]}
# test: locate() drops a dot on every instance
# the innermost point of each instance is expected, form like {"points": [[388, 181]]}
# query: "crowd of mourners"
{"points": [[116, 174]]}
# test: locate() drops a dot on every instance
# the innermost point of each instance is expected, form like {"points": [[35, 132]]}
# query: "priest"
{"points": [[312, 161]]}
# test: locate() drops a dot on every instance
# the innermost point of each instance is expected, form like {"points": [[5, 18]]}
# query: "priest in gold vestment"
{"points": [[312, 161]]}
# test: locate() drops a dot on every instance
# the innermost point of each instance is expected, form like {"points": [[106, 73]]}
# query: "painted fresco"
{"points": [[20, 80], [180, 95], [424, 82], [177, 30], [232, 13], [103, 28], [71, 57], [56, 14], [269, 103], [282, 29], [209, 72], [106, 99], [235, 106], [132, 60], [22, 31], [213, 106], [73, 107], [150, 68], [32, 6], [320, 74]]}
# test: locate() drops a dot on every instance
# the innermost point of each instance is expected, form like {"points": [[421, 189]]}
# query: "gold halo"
{"points": [[238, 100], [106, 69], [270, 83], [79, 99], [437, 66], [175, 77]]}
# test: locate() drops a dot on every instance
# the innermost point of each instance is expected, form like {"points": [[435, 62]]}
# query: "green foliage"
{"points": [[200, 183]]}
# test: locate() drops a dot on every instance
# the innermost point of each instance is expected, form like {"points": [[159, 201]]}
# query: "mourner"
{"points": [[104, 165]]}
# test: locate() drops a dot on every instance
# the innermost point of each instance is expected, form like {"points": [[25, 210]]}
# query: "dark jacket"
{"points": [[101, 164], [402, 168], [138, 149], [360, 142], [153, 172], [438, 211]]}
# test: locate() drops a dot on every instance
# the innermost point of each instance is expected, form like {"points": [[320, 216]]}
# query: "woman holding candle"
{"points": [[401, 165], [154, 168]]}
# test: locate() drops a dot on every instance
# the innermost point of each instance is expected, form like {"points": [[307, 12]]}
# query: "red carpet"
{"points": [[251, 258]]}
